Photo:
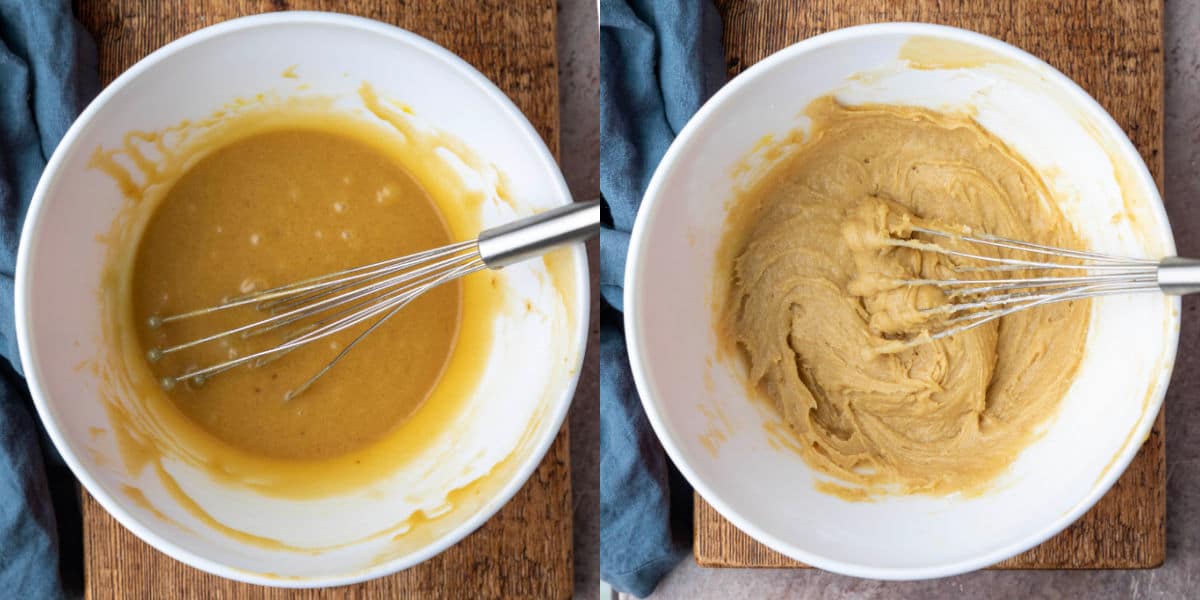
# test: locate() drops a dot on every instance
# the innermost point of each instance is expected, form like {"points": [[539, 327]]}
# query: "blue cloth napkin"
{"points": [[47, 75], [659, 61]]}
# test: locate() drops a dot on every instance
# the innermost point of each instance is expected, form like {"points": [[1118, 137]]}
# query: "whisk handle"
{"points": [[1178, 276], [513, 242]]}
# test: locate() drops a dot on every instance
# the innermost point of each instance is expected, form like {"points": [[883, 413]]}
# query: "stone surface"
{"points": [[1180, 575], [579, 143]]}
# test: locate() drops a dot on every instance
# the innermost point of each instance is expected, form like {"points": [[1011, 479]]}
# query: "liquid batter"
{"points": [[273, 208], [809, 308]]}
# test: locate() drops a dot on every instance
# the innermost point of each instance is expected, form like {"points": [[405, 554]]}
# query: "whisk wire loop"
{"points": [[1001, 287], [305, 311]]}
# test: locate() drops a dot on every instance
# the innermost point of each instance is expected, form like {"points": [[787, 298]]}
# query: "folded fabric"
{"points": [[47, 75], [659, 62]]}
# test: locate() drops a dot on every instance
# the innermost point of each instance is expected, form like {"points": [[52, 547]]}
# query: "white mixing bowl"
{"points": [[493, 443], [718, 437]]}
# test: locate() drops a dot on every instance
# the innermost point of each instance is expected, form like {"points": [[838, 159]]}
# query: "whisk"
{"points": [[1006, 288], [306, 311]]}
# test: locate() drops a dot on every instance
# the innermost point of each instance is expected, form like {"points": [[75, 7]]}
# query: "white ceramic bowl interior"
{"points": [[718, 437], [513, 415]]}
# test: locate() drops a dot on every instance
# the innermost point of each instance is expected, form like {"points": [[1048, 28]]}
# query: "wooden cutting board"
{"points": [[1114, 49], [525, 550]]}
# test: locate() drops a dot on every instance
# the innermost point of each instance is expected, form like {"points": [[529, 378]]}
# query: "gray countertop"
{"points": [[579, 157], [1179, 577]]}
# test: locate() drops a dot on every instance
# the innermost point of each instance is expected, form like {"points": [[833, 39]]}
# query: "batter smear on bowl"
{"points": [[804, 300]]}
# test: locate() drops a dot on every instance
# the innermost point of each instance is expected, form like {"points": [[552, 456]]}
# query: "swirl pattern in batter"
{"points": [[805, 300]]}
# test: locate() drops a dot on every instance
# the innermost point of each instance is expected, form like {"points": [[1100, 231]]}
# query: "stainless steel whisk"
{"points": [[315, 308], [973, 302]]}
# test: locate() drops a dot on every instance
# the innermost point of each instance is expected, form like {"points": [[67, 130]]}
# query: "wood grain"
{"points": [[1113, 49], [525, 550]]}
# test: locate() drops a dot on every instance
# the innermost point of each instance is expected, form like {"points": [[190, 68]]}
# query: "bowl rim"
{"points": [[639, 246], [34, 222]]}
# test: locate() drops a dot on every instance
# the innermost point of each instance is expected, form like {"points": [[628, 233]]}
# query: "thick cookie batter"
{"points": [[809, 308]]}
